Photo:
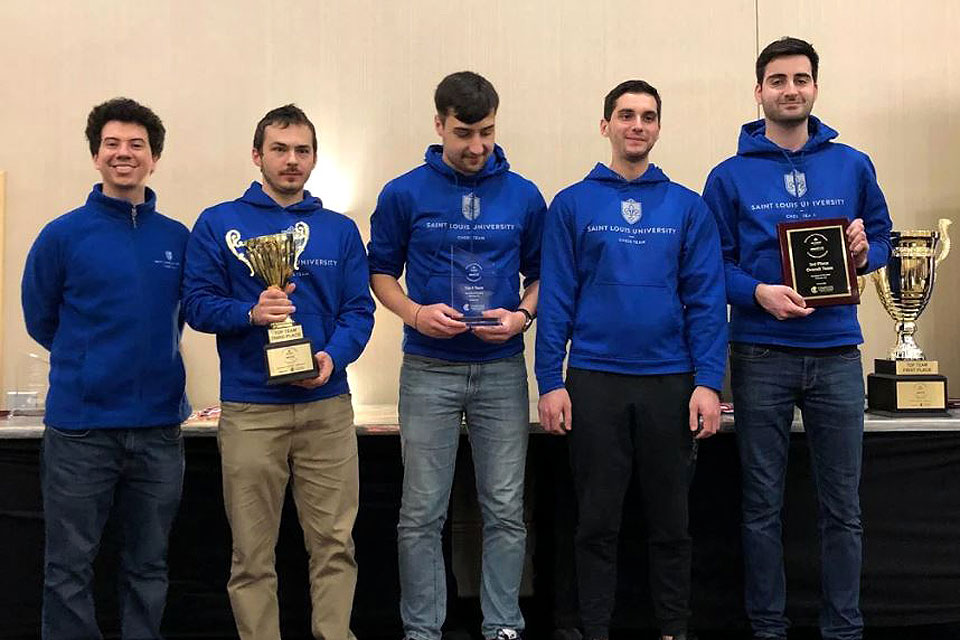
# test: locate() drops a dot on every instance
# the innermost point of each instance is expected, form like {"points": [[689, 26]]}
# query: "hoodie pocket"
{"points": [[628, 312]]}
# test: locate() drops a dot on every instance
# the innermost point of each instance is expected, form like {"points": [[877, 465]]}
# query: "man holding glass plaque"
{"points": [[786, 353], [464, 227], [270, 433], [632, 280]]}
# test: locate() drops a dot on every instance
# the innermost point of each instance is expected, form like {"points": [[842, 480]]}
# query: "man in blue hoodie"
{"points": [[101, 292], [303, 431], [460, 220], [785, 354], [632, 278]]}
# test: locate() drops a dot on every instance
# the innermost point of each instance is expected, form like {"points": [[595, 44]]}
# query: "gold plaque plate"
{"points": [[284, 332], [921, 395], [917, 367], [283, 360]]}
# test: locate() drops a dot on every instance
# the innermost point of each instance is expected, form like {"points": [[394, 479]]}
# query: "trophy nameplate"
{"points": [[907, 383], [816, 261]]}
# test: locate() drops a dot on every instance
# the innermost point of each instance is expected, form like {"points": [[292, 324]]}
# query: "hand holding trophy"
{"points": [[288, 354]]}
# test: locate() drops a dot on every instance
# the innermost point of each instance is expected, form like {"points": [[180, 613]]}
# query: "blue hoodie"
{"points": [[765, 184], [332, 297], [425, 214], [632, 276], [101, 292]]}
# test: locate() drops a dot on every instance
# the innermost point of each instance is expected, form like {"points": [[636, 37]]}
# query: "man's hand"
{"points": [[705, 404], [781, 301], [511, 323], [554, 409], [273, 306], [325, 364], [859, 246], [437, 321]]}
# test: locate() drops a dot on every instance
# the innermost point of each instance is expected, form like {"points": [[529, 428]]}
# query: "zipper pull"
{"points": [[133, 215]]}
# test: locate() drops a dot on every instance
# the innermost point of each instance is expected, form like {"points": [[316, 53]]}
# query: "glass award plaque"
{"points": [[472, 282]]}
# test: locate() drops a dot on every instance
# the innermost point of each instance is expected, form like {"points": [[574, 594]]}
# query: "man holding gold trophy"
{"points": [[785, 351], [282, 282]]}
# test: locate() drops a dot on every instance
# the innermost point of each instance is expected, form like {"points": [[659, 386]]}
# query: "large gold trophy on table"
{"points": [[907, 383], [289, 355]]}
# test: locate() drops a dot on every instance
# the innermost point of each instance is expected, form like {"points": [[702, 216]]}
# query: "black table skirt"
{"points": [[911, 515]]}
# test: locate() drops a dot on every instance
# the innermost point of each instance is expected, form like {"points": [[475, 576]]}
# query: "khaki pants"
{"points": [[314, 445]]}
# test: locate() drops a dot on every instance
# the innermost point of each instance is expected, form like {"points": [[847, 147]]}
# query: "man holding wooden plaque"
{"points": [[799, 216]]}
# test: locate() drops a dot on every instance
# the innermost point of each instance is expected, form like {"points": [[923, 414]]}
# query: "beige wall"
{"points": [[365, 72]]}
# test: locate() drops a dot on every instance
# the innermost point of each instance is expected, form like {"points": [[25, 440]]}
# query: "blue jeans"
{"points": [[84, 474], [828, 389], [435, 396]]}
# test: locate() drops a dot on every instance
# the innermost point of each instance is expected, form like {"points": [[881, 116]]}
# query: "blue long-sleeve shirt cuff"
{"points": [[740, 290], [550, 382], [711, 379]]}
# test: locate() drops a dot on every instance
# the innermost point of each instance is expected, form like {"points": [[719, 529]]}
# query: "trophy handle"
{"points": [[234, 243], [301, 235], [943, 224]]}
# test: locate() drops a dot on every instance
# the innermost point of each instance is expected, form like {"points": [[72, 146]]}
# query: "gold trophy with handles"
{"points": [[288, 354], [907, 383]]}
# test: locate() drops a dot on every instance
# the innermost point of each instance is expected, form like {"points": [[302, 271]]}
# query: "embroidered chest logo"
{"points": [[631, 210], [796, 183], [470, 206], [168, 262], [237, 246]]}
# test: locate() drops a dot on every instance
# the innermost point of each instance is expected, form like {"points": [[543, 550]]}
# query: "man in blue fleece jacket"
{"points": [[101, 292], [632, 278], [304, 429], [785, 354], [460, 215]]}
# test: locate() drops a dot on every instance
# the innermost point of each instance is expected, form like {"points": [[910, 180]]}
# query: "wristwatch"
{"points": [[530, 316]]}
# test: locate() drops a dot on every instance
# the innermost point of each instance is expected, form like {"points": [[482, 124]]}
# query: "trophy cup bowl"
{"points": [[288, 354], [906, 283], [908, 383]]}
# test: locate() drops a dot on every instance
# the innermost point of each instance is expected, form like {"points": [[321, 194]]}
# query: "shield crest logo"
{"points": [[470, 206], [169, 255], [631, 210], [796, 183]]}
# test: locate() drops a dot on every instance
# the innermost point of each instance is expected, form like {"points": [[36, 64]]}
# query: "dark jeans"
{"points": [[623, 423], [84, 474], [828, 389]]}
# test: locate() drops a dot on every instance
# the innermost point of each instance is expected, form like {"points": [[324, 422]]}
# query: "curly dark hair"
{"points": [[125, 110]]}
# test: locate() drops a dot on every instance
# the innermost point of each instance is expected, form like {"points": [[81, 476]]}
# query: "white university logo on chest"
{"points": [[796, 183], [631, 210], [470, 206]]}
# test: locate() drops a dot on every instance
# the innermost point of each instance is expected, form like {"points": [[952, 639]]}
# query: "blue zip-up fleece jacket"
{"points": [[765, 184], [101, 292], [432, 212], [332, 297], [632, 276]]}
